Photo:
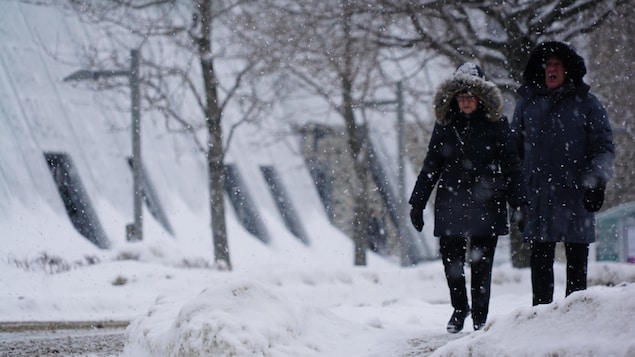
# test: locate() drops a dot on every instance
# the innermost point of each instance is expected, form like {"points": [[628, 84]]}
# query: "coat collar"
{"points": [[533, 89]]}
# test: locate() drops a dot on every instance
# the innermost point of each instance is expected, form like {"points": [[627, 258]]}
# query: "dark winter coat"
{"points": [[565, 140], [473, 159]]}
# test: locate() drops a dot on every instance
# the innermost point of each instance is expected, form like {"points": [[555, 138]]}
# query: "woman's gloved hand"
{"points": [[416, 217]]}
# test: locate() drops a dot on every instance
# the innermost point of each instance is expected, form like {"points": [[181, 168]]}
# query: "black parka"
{"points": [[566, 142], [474, 161]]}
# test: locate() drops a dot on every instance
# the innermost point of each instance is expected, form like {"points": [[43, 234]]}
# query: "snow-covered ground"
{"points": [[294, 301]]}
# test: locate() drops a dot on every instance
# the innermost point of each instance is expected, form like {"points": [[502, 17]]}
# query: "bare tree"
{"points": [[500, 34], [189, 41], [611, 65]]}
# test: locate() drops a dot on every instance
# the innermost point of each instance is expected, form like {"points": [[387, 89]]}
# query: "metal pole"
{"points": [[400, 146], [134, 232], [136, 146]]}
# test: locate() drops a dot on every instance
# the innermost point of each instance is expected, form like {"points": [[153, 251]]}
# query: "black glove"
{"points": [[594, 198], [519, 216], [416, 217]]}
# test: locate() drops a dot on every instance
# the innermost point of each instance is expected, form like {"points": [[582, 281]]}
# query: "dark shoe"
{"points": [[457, 320], [478, 325]]}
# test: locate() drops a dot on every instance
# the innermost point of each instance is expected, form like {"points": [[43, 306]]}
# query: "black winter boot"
{"points": [[457, 320], [478, 325]]}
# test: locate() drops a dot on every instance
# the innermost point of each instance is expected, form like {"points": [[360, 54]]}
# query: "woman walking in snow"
{"points": [[475, 165]]}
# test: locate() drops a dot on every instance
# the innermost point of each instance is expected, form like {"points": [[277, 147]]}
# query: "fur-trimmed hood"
{"points": [[490, 98]]}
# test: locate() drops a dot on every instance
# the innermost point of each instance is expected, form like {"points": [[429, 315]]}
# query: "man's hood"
{"points": [[534, 73]]}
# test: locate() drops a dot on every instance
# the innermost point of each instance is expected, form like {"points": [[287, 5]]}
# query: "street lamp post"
{"points": [[401, 186], [133, 77]]}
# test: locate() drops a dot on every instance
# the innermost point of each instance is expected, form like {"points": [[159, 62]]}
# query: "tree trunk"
{"points": [[217, 201], [356, 140], [360, 220], [215, 151], [359, 184]]}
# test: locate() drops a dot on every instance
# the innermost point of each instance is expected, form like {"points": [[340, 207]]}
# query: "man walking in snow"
{"points": [[565, 141]]}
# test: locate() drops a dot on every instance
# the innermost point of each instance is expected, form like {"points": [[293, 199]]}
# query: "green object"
{"points": [[615, 233]]}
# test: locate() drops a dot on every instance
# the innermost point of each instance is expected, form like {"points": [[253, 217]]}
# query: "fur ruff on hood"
{"points": [[489, 96]]}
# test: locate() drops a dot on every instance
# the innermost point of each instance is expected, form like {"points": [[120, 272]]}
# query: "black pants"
{"points": [[542, 257], [452, 251]]}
